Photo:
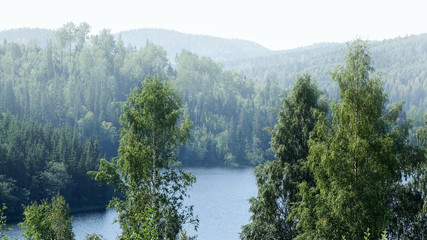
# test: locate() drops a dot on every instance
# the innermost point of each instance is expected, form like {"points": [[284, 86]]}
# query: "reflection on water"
{"points": [[220, 198]]}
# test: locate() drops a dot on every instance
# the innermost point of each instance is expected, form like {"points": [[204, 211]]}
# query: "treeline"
{"points": [[79, 81], [38, 162]]}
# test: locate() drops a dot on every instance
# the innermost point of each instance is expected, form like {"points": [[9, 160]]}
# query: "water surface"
{"points": [[220, 198]]}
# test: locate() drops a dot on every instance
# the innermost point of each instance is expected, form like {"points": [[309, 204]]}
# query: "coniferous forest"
{"points": [[340, 148]]}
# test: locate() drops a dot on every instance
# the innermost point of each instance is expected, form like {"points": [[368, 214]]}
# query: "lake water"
{"points": [[220, 198]]}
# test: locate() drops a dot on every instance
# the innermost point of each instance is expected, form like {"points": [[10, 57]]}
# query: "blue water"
{"points": [[220, 198]]}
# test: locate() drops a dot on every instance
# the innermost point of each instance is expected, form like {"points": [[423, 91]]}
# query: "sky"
{"points": [[274, 24]]}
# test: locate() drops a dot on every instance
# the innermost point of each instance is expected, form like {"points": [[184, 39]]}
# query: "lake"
{"points": [[220, 198]]}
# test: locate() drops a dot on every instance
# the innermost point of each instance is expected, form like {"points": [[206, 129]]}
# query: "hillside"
{"points": [[22, 35], [283, 66], [403, 60], [219, 49]]}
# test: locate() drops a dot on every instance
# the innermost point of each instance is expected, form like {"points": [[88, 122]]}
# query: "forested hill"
{"points": [[23, 35], [403, 60], [78, 81], [219, 49], [73, 87]]}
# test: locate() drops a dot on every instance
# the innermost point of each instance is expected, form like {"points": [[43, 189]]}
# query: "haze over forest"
{"points": [[62, 94], [402, 59]]}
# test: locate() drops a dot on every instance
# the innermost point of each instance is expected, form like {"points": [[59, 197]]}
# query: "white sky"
{"points": [[272, 23]]}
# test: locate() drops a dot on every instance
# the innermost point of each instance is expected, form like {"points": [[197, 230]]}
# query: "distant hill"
{"points": [[219, 49], [23, 35], [283, 66], [403, 60]]}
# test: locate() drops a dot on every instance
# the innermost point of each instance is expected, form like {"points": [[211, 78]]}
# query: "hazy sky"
{"points": [[272, 23]]}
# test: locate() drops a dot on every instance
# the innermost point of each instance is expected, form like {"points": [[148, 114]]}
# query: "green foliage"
{"points": [[48, 220], [278, 180], [147, 171], [229, 117], [361, 165], [3, 223], [421, 134], [357, 161], [416, 213], [402, 58], [352, 163], [148, 230], [72, 83], [38, 162], [11, 194]]}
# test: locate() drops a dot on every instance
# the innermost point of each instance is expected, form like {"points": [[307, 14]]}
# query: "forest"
{"points": [[80, 85], [67, 103], [38, 162], [77, 85]]}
